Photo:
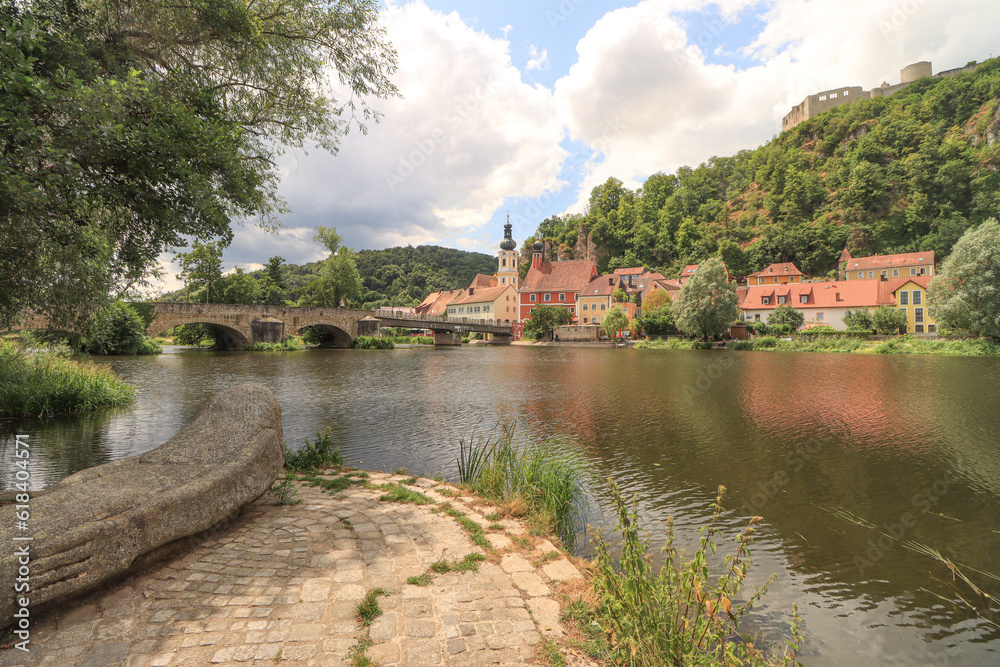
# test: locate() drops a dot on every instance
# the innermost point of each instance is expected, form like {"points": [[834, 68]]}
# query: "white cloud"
{"points": [[537, 60], [646, 99], [467, 133]]}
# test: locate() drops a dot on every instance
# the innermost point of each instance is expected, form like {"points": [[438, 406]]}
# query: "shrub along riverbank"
{"points": [[49, 382], [848, 344]]}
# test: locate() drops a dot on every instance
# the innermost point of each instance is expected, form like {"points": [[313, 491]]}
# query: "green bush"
{"points": [[314, 455], [48, 382], [821, 330], [764, 342], [118, 329], [288, 344], [681, 615], [372, 343]]}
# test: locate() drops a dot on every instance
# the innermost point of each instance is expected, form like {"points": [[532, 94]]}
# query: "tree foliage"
{"points": [[859, 319], [337, 281], [707, 304], [965, 295], [127, 127], [888, 320], [202, 265], [615, 322], [544, 319], [785, 314]]}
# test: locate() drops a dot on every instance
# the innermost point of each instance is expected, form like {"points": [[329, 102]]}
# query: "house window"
{"points": [[503, 262], [918, 314], [904, 298], [885, 274], [532, 298], [846, 93], [604, 306], [822, 98], [913, 272], [931, 328], [562, 296], [819, 317], [895, 273], [548, 297], [584, 306], [804, 298], [756, 317], [871, 274], [765, 300], [781, 299], [918, 328], [585, 320], [861, 274], [833, 96], [917, 297]]}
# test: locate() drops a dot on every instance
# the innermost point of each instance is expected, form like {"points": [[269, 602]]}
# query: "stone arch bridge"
{"points": [[242, 325]]}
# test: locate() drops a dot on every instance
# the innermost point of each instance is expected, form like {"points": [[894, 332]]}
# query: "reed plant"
{"points": [[48, 382], [538, 480], [314, 454], [682, 614]]}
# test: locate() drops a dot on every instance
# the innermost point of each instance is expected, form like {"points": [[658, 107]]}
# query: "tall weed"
{"points": [[316, 454], [680, 615]]}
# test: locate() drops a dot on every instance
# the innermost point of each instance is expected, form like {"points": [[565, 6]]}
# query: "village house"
{"points": [[554, 283], [886, 266], [489, 303], [828, 302], [776, 274], [436, 303], [596, 298]]}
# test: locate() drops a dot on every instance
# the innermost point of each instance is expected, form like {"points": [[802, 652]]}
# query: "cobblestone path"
{"points": [[281, 584]]}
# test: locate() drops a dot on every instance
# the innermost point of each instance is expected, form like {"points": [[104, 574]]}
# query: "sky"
{"points": [[521, 107]]}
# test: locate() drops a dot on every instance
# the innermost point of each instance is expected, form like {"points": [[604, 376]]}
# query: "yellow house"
{"points": [[911, 297], [886, 267], [489, 303], [595, 300]]}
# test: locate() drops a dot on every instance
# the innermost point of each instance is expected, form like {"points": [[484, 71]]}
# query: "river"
{"points": [[909, 444]]}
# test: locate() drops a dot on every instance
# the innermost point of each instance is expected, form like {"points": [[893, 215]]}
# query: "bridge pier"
{"points": [[447, 338], [499, 339]]}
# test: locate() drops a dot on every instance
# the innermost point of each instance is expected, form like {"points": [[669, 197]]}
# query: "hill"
{"points": [[394, 276], [894, 174]]}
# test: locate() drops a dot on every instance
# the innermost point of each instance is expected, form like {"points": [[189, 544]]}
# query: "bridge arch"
{"points": [[227, 337], [340, 337]]}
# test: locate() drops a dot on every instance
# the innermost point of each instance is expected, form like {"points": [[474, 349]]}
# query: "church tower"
{"points": [[507, 271]]}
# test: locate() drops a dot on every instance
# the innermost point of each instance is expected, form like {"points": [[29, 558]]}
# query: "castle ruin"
{"points": [[816, 104]]}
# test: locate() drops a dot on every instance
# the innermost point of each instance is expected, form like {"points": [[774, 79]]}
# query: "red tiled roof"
{"points": [[834, 294], [890, 261], [480, 295], [568, 276], [688, 270], [602, 285], [654, 276], [482, 281], [436, 303], [783, 269], [637, 271]]}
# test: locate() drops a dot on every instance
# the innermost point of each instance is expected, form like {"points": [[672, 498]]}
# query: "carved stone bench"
{"points": [[93, 525]]}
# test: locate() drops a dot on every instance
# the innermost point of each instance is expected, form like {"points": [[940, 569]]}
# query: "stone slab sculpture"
{"points": [[93, 525]]}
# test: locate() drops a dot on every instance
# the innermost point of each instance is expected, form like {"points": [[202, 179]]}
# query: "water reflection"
{"points": [[897, 441]]}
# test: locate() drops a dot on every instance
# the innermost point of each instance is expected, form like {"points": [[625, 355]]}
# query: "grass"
{"points": [[314, 455], [549, 651], [684, 614], [470, 563], [288, 344], [372, 343], [330, 483], [539, 480], [357, 656], [400, 494], [368, 609], [420, 580], [475, 531], [48, 382], [847, 344], [669, 344], [285, 493], [410, 481]]}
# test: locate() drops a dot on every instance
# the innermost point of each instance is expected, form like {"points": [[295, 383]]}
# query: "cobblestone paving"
{"points": [[281, 584]]}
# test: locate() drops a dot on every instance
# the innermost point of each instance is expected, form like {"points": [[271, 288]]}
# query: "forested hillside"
{"points": [[903, 173], [395, 276]]}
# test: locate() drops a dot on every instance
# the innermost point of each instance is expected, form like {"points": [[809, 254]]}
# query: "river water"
{"points": [[908, 445]]}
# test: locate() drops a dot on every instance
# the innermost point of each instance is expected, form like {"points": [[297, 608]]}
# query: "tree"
{"points": [[338, 279], [888, 320], [618, 296], [275, 275], [242, 288], [658, 321], [707, 304], [117, 329], [965, 295], [860, 319], [658, 298], [785, 314], [202, 265], [615, 322], [544, 319], [129, 127]]}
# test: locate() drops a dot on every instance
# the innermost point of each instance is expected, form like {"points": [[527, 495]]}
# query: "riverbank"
{"points": [[286, 583], [841, 344]]}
